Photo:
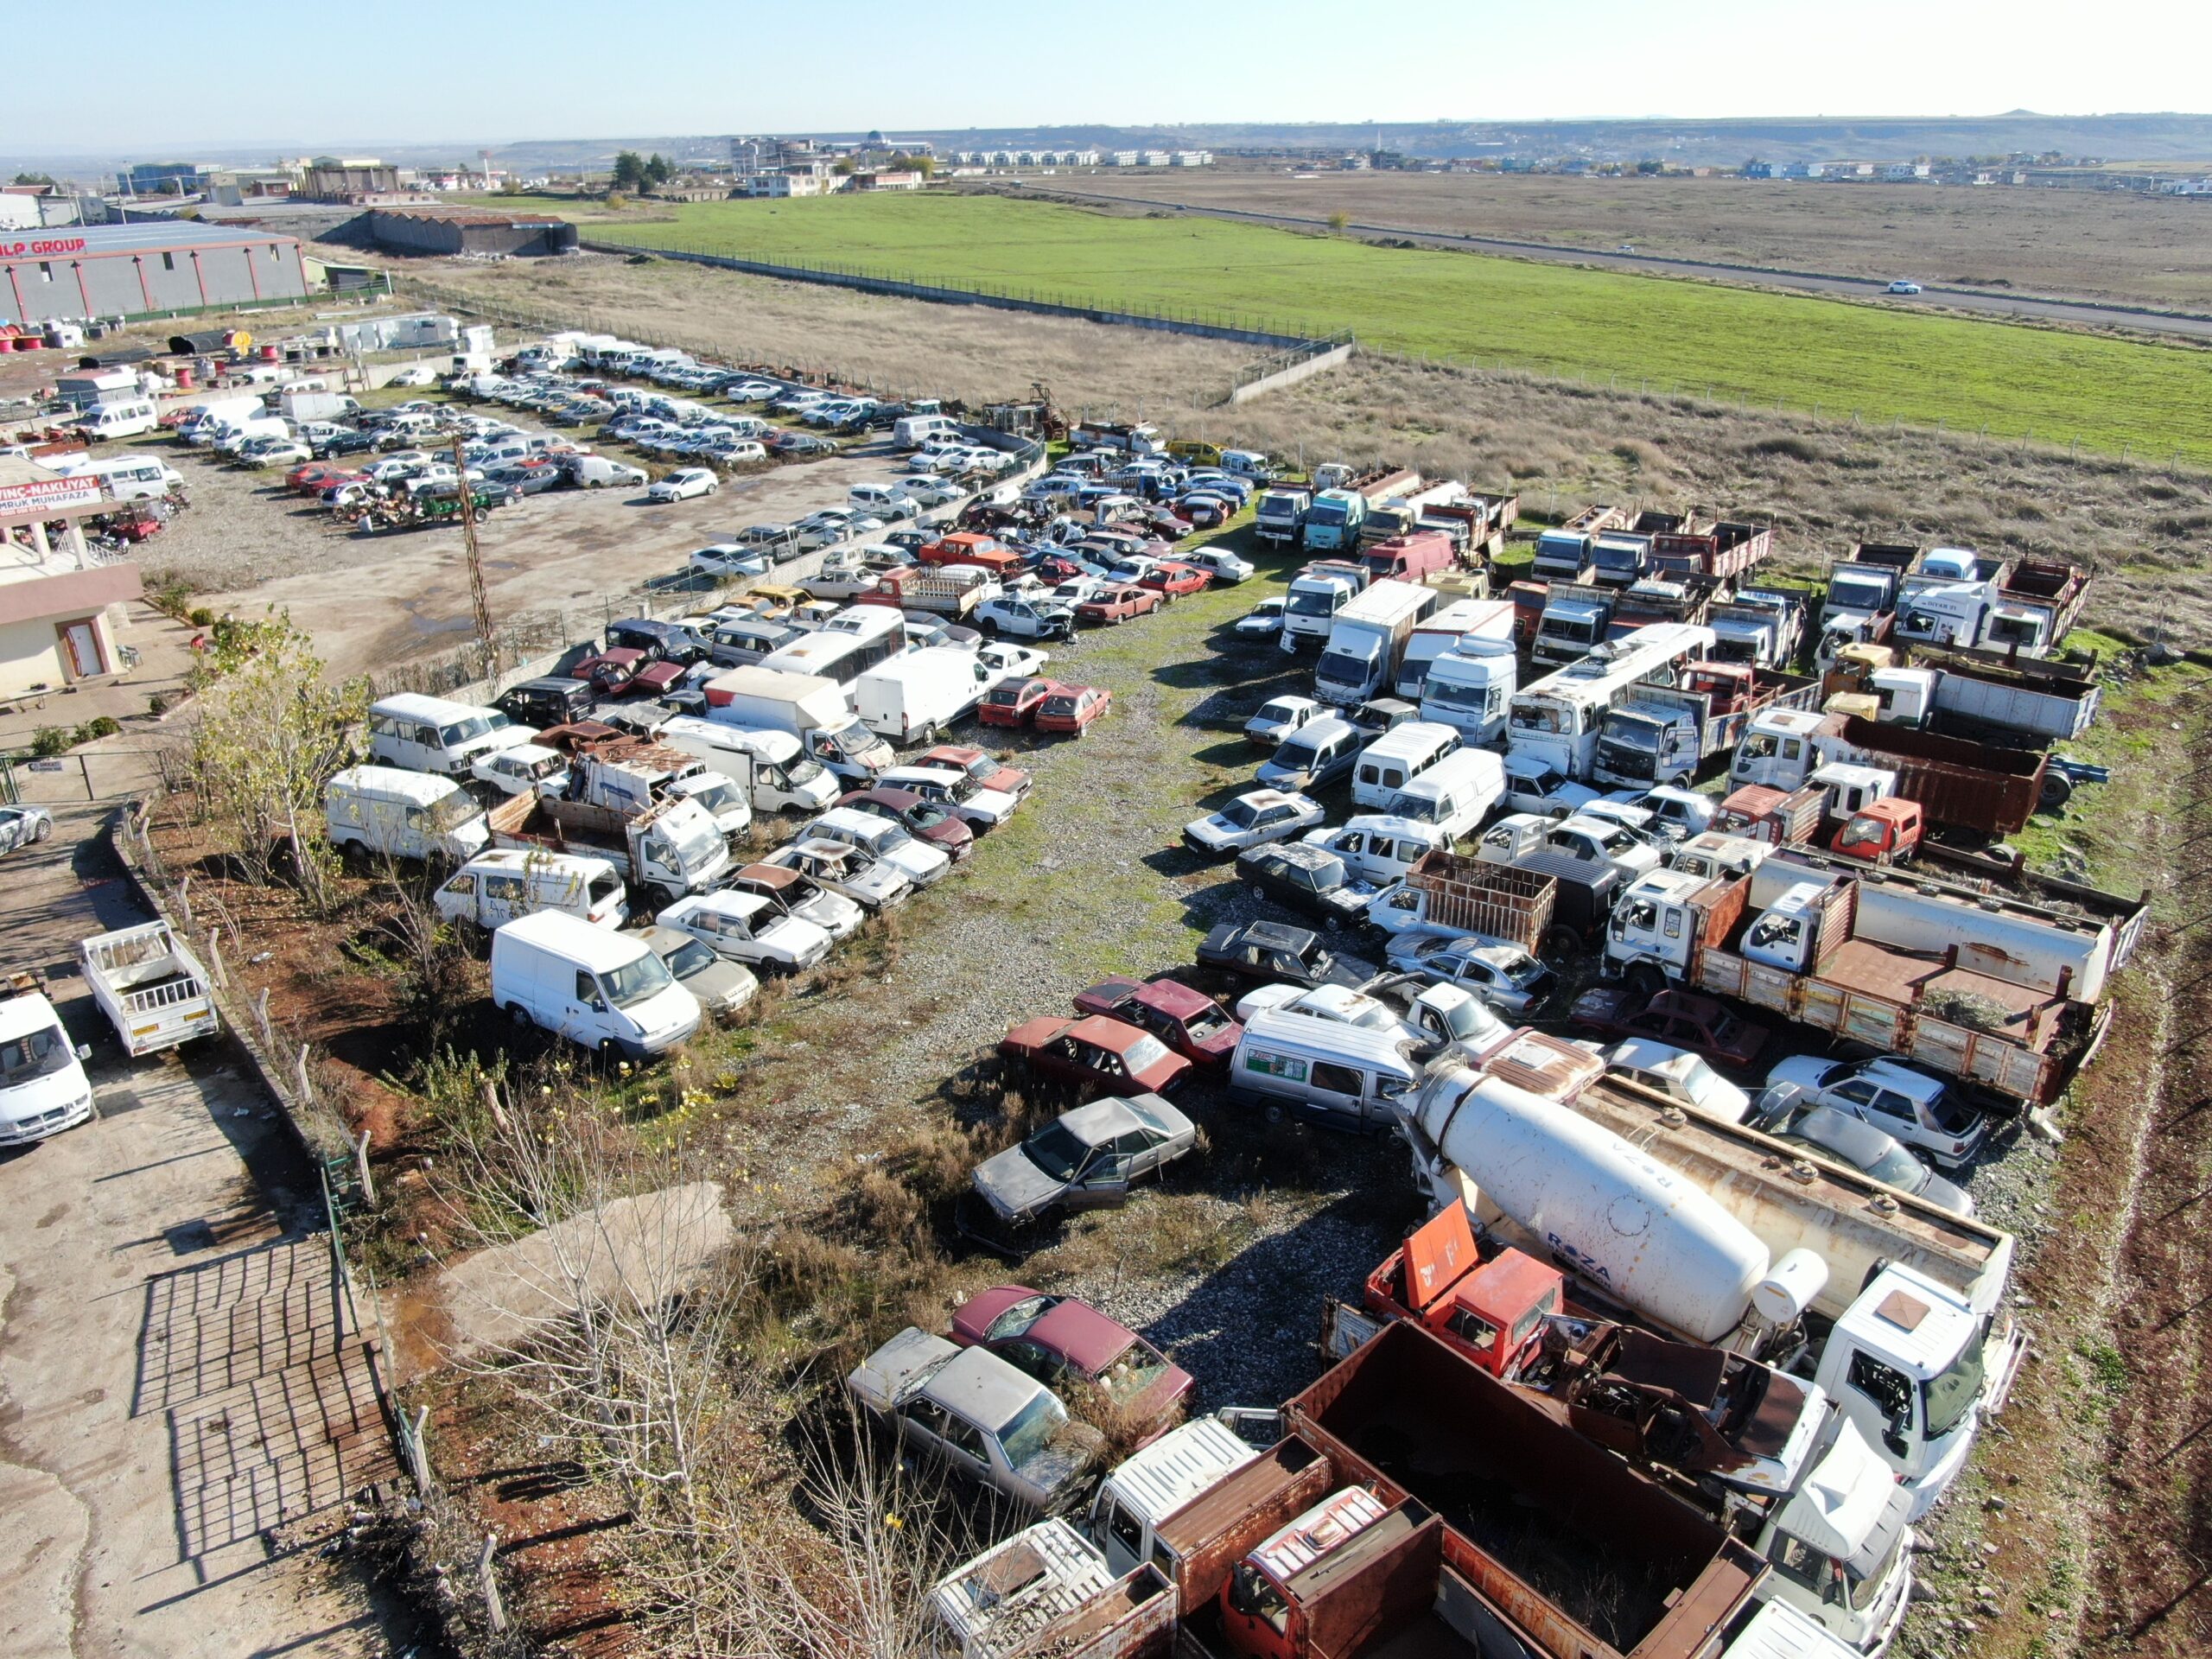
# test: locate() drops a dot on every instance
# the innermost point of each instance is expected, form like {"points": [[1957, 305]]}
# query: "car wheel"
{"points": [[1259, 894], [1645, 979], [44, 829], [520, 1015], [930, 733], [1273, 1112]]}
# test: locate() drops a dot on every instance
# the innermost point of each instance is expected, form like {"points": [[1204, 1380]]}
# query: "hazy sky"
{"points": [[184, 76]]}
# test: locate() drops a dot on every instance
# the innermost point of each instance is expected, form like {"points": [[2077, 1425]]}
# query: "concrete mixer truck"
{"points": [[1717, 1234]]}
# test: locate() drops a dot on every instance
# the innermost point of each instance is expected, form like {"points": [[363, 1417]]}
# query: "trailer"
{"points": [[153, 989], [1625, 1567], [1453, 893], [1984, 788]]}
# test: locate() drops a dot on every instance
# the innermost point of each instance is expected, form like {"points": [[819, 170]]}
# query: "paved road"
{"points": [[2080, 312], [169, 1388]]}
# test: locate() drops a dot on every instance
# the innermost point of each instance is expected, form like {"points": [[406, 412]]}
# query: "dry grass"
{"points": [[1823, 484], [972, 354], [2101, 244]]}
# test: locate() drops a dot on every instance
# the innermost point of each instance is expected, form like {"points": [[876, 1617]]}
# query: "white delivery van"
{"points": [[1395, 759], [882, 501], [594, 987], [431, 734], [1326, 1071], [915, 695], [43, 1088], [235, 436], [494, 888], [769, 764], [1456, 794], [125, 418], [136, 478], [405, 814], [912, 432]]}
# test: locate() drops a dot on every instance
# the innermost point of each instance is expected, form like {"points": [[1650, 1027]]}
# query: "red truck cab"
{"points": [[970, 547], [1886, 831], [1733, 686], [1493, 1312]]}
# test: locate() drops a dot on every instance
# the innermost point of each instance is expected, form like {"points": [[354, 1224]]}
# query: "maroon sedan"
{"points": [[1117, 604], [1680, 1019], [924, 820], [1097, 1055], [1014, 702], [654, 680], [610, 670], [1059, 1340], [1188, 1021], [1175, 579], [1071, 708]]}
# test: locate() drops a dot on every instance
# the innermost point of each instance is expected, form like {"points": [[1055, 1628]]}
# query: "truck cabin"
{"points": [[2022, 630], [1569, 627], [1495, 1312], [1731, 685], [1884, 831], [1621, 560], [1272, 1598], [1846, 788]]}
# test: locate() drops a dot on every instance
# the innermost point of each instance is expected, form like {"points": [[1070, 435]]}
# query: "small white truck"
{"points": [[150, 986]]}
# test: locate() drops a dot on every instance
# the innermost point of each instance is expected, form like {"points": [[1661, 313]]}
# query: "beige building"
{"points": [[59, 607]]}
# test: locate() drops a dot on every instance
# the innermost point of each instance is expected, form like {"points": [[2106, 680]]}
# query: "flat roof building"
{"points": [[59, 605], [469, 229]]}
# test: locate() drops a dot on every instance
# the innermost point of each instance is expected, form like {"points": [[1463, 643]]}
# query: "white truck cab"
{"points": [[1145, 1488], [43, 1088]]}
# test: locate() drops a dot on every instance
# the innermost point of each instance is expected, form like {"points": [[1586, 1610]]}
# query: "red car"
{"points": [[1679, 1018], [1188, 1021], [611, 669], [981, 764], [924, 820], [314, 477], [1058, 1339], [1096, 1055], [654, 680], [1013, 702], [1175, 579], [1072, 708], [1117, 604]]}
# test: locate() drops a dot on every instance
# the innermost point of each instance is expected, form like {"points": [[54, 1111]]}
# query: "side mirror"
{"points": [[84, 1051], [1897, 1443]]}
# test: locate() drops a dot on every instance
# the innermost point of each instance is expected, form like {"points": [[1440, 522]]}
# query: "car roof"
{"points": [[1083, 1333], [1294, 852], [1278, 936], [1890, 1074], [1258, 797], [1852, 1138], [1102, 1119]]}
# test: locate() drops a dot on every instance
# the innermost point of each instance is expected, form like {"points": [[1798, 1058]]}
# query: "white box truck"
{"points": [[769, 765], [1367, 641], [809, 707]]}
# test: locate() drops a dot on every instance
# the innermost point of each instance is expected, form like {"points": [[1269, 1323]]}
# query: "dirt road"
{"points": [[373, 601], [160, 1413]]}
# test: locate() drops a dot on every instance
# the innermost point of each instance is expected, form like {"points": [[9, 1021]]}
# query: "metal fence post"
{"points": [[490, 1583]]}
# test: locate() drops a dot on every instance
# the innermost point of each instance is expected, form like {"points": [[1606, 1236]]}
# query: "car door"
{"points": [[583, 1010], [1857, 1096], [506, 897], [1103, 1180], [1896, 1113]]}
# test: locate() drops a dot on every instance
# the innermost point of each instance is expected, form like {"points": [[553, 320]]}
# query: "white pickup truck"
{"points": [[150, 986]]}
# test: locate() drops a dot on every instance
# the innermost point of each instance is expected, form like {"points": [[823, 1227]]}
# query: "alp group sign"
{"points": [[42, 248]]}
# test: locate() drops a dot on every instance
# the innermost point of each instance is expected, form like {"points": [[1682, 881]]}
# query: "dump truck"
{"points": [[1983, 697], [951, 591], [1990, 989], [1452, 894], [1281, 513], [1664, 734], [1478, 521], [1984, 788], [1723, 550], [2037, 605], [1399, 513], [1568, 553], [1762, 627], [1761, 1451], [154, 991], [1714, 1233], [668, 851], [1047, 1591], [1663, 599], [1861, 604], [1577, 618]]}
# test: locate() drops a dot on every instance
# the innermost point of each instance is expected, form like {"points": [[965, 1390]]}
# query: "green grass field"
{"points": [[1743, 346]]}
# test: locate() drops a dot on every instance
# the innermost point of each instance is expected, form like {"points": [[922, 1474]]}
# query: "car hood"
{"points": [[991, 802], [1214, 831], [37, 1096], [833, 912], [1072, 1450], [1013, 1186]]}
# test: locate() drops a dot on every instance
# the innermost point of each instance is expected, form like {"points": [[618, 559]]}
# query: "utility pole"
{"points": [[485, 638]]}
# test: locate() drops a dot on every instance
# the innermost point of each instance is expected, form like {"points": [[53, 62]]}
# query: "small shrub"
{"points": [[157, 703], [98, 727], [52, 740], [200, 617]]}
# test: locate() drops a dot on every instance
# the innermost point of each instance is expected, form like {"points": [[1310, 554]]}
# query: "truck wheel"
{"points": [[930, 733], [1645, 979], [2057, 789], [1563, 944], [520, 1015]]}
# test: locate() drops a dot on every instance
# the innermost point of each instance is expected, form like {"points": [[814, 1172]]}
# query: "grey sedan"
{"points": [[1843, 1139], [1084, 1159]]}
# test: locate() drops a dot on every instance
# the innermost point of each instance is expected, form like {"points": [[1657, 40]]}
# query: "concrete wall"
{"points": [[1245, 392]]}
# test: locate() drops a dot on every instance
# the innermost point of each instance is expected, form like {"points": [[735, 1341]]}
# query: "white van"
{"points": [[236, 435], [1343, 1076], [494, 888], [915, 695], [769, 764], [136, 478], [914, 431], [405, 814], [126, 418], [431, 734], [1456, 794], [883, 501], [596, 987], [43, 1088], [1395, 759]]}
